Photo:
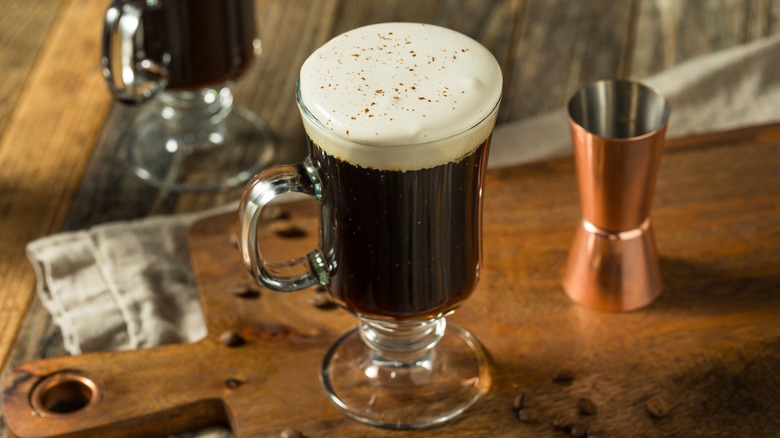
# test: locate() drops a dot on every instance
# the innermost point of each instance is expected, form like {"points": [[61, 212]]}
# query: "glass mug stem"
{"points": [[403, 343], [196, 109]]}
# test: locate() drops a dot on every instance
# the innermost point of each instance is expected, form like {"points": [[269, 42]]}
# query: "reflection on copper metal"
{"points": [[617, 130]]}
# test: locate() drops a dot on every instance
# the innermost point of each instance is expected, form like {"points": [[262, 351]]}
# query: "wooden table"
{"points": [[59, 155]]}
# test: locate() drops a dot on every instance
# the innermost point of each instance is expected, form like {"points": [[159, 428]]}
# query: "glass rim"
{"points": [[657, 99], [308, 114]]}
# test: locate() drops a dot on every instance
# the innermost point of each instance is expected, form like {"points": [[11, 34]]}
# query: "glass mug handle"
{"points": [[129, 81], [310, 269]]}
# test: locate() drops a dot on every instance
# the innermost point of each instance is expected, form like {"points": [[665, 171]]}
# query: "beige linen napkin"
{"points": [[122, 285], [129, 285]]}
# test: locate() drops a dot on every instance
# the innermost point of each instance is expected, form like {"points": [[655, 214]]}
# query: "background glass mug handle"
{"points": [[309, 270], [129, 80]]}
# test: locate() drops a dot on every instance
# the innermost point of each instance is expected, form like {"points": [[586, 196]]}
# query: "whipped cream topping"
{"points": [[400, 95]]}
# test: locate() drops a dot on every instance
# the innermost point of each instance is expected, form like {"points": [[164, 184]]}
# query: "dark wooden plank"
{"points": [[354, 13], [763, 19], [668, 33], [561, 45], [24, 27], [60, 111], [23, 30], [32, 46]]}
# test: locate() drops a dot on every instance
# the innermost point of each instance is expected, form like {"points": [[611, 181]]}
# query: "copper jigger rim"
{"points": [[665, 105]]}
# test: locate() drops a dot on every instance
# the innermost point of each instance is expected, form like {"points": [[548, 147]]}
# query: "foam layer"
{"points": [[400, 95]]}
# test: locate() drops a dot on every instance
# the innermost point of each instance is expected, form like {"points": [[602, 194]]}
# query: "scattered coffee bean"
{"points": [[579, 429], [287, 229], [320, 289], [563, 375], [528, 415], [595, 430], [233, 239], [244, 290], [232, 339], [587, 406], [563, 422], [520, 401], [233, 383], [291, 433], [323, 302], [657, 407]]}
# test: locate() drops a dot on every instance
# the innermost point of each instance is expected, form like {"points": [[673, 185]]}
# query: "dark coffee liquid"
{"points": [[201, 42], [404, 245]]}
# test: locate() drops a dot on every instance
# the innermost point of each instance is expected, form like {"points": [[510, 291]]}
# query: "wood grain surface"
{"points": [[708, 348], [43, 150], [60, 154]]}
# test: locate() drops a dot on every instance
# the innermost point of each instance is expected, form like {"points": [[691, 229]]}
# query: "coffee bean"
{"points": [[563, 421], [563, 375], [658, 407], [232, 339], [233, 239], [528, 415], [320, 289], [587, 406], [520, 401], [323, 302], [244, 290], [291, 433], [579, 429], [233, 383]]}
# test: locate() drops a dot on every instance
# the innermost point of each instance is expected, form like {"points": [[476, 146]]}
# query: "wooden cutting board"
{"points": [[709, 348]]}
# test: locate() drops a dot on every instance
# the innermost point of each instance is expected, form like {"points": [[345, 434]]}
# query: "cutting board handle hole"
{"points": [[64, 393]]}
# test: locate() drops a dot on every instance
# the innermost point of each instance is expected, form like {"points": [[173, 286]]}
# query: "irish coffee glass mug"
{"points": [[182, 56], [400, 216]]}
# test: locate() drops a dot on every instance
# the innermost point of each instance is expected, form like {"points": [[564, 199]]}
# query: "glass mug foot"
{"points": [[438, 384], [198, 141]]}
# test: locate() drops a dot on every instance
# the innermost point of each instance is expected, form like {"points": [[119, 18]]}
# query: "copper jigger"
{"points": [[617, 130]]}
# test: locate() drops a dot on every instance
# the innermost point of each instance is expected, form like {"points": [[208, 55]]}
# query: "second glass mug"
{"points": [[186, 54], [400, 184]]}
